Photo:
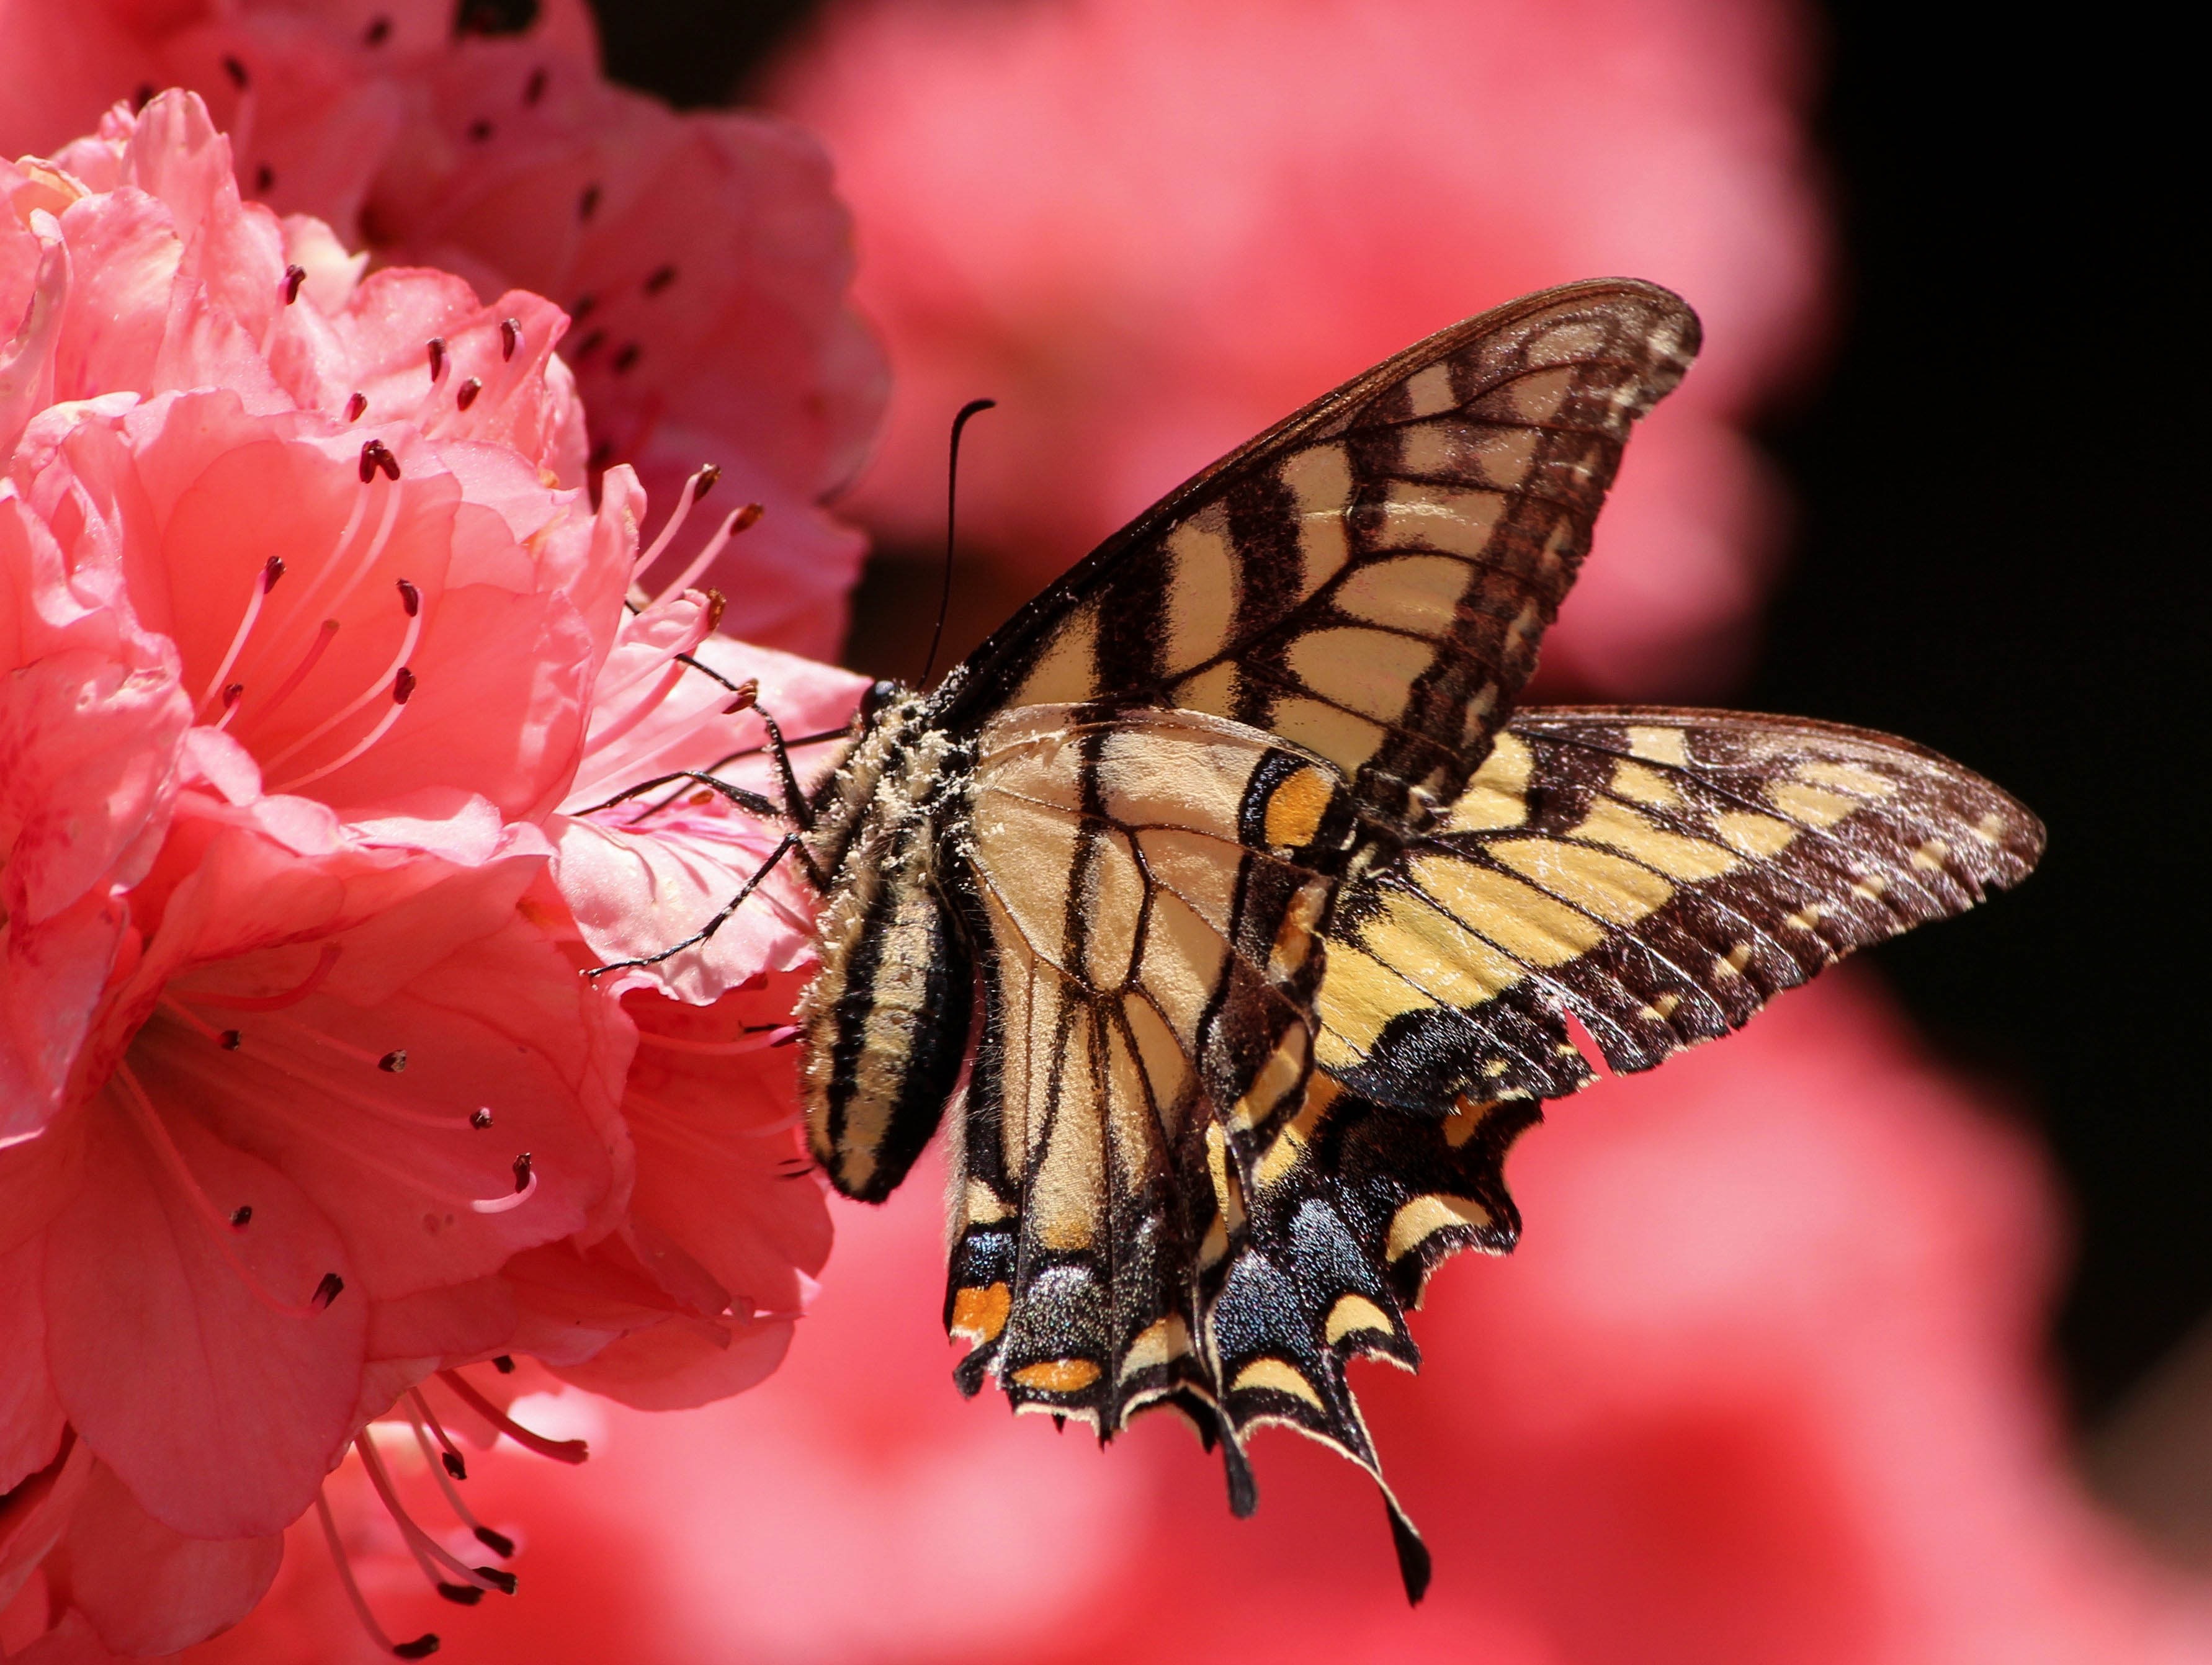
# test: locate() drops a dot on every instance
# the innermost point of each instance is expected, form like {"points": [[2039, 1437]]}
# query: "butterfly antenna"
{"points": [[973, 408]]}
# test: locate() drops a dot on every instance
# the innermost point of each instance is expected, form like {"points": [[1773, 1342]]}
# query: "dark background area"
{"points": [[1993, 557]]}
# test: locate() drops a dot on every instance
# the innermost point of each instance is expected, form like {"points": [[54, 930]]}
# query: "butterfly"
{"points": [[1233, 912]]}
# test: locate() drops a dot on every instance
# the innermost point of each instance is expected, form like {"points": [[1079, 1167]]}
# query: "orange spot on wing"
{"points": [[1058, 1376], [980, 1313]]}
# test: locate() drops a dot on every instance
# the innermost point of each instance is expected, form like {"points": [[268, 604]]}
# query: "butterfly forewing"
{"points": [[1370, 578], [1660, 874]]}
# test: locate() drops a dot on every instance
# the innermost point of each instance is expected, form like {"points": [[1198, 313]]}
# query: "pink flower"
{"points": [[319, 679], [1150, 229], [1761, 1386], [703, 257]]}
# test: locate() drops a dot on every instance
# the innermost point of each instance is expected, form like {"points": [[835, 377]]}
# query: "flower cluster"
{"points": [[703, 256], [329, 679]]}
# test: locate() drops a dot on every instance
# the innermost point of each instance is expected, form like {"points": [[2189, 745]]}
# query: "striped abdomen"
{"points": [[886, 1019]]}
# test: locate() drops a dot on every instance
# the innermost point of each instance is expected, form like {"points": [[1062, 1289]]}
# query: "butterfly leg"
{"points": [[784, 846]]}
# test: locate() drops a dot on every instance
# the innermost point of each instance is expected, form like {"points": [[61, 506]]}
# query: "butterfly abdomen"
{"points": [[886, 1019]]}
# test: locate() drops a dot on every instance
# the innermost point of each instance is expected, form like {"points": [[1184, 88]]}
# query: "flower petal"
{"points": [[373, 1107], [147, 1589], [31, 1421], [220, 1412]]}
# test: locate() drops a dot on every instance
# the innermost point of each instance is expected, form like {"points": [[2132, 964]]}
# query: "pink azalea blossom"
{"points": [[703, 257], [1760, 1386], [320, 682], [1149, 229]]}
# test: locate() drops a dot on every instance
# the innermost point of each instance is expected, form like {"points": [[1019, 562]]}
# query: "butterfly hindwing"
{"points": [[1660, 874], [1150, 884], [1367, 578]]}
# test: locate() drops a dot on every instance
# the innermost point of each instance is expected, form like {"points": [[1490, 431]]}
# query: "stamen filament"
{"points": [[525, 1187], [418, 1540], [447, 1460], [409, 636], [561, 1450], [735, 522], [271, 570], [218, 1224], [421, 1648], [403, 687], [694, 488], [643, 707], [324, 637]]}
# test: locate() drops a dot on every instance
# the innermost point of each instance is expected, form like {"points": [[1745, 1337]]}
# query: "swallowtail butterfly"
{"points": [[1253, 908]]}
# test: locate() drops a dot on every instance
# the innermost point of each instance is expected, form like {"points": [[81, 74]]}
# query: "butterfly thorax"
{"points": [[886, 1019]]}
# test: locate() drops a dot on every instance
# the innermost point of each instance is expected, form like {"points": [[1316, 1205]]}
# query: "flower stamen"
{"points": [[694, 488], [271, 570], [448, 1458], [737, 520], [402, 689], [410, 600], [221, 1226], [421, 1648], [561, 1450], [419, 1541]]}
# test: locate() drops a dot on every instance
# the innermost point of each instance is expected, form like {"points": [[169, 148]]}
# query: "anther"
{"points": [[534, 88], [582, 309], [662, 278], [421, 1648], [375, 455], [588, 203], [403, 686], [500, 1575], [242, 1217], [355, 406], [479, 130], [232, 692], [327, 1290], [265, 177], [510, 337], [748, 692], [271, 570], [453, 1464], [379, 32], [410, 598], [628, 358], [230, 1040], [142, 97], [591, 343], [480, 1117], [393, 1062], [522, 1172], [497, 1542], [709, 473], [502, 1364], [466, 1596], [295, 275], [465, 394], [437, 356], [236, 72]]}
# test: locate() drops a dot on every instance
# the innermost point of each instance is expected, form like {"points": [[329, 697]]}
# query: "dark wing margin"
{"points": [[1370, 578], [1660, 874]]}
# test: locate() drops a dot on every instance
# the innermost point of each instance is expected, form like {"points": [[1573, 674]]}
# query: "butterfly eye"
{"points": [[879, 695]]}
